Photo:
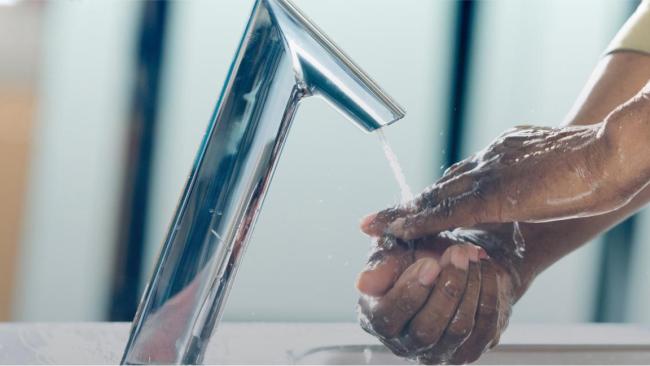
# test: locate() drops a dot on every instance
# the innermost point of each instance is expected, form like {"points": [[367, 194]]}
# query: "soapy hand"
{"points": [[534, 174], [444, 301], [528, 174]]}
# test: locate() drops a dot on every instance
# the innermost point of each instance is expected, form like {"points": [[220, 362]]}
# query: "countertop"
{"points": [[281, 343]]}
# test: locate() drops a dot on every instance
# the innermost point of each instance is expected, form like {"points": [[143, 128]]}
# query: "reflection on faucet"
{"points": [[282, 59], [166, 326]]}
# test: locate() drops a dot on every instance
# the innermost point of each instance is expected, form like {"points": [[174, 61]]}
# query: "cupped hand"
{"points": [[443, 301], [529, 174]]}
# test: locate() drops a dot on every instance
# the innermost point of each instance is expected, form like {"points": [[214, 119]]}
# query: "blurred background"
{"points": [[103, 105]]}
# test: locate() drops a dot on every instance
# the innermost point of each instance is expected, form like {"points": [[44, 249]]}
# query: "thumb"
{"points": [[377, 223], [464, 211], [459, 202], [435, 203]]}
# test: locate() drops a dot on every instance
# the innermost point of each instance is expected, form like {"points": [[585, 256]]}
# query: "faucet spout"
{"points": [[326, 71], [281, 59]]}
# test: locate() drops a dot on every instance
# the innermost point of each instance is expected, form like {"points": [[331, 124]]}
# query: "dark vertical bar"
{"points": [[141, 139], [614, 274], [461, 66]]}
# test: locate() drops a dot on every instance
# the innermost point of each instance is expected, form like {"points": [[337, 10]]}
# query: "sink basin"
{"points": [[322, 343], [504, 355]]}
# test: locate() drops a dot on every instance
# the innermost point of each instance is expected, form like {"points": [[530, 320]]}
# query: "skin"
{"points": [[442, 301], [535, 174], [616, 80]]}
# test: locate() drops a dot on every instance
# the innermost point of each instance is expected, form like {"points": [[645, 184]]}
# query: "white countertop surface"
{"points": [[273, 343]]}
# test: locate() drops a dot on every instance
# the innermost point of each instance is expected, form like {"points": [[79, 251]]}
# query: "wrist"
{"points": [[626, 136], [629, 123], [497, 241]]}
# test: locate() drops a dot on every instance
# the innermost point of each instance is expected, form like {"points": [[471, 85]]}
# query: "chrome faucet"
{"points": [[282, 58]]}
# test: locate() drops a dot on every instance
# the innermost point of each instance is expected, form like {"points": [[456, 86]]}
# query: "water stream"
{"points": [[407, 194]]}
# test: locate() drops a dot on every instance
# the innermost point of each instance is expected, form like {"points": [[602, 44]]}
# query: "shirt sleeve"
{"points": [[635, 34]]}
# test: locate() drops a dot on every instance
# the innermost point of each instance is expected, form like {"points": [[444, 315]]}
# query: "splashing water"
{"points": [[407, 195], [518, 239], [367, 355]]}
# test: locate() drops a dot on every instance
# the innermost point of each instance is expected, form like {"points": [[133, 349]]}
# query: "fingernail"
{"points": [[428, 272], [455, 256], [474, 254], [368, 219], [367, 223], [364, 284], [482, 254], [360, 283]]}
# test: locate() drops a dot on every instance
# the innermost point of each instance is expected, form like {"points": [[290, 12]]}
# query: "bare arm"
{"points": [[398, 280], [617, 78]]}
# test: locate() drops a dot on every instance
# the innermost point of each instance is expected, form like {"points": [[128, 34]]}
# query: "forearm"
{"points": [[617, 78]]}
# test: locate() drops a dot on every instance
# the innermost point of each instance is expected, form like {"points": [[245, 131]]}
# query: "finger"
{"points": [[390, 313], [375, 224], [466, 203], [487, 318], [380, 223], [432, 246], [460, 327], [458, 169], [383, 269], [427, 326]]}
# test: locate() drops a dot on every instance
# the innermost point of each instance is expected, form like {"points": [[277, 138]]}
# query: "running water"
{"points": [[407, 195], [518, 239]]}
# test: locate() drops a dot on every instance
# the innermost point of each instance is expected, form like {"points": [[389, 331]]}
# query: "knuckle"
{"points": [[454, 167], [479, 190], [488, 308], [459, 333], [421, 336], [428, 198], [406, 304], [446, 207], [388, 215], [463, 327], [452, 290]]}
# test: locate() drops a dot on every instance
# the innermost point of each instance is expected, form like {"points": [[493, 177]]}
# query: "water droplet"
{"points": [[518, 239], [367, 355]]}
